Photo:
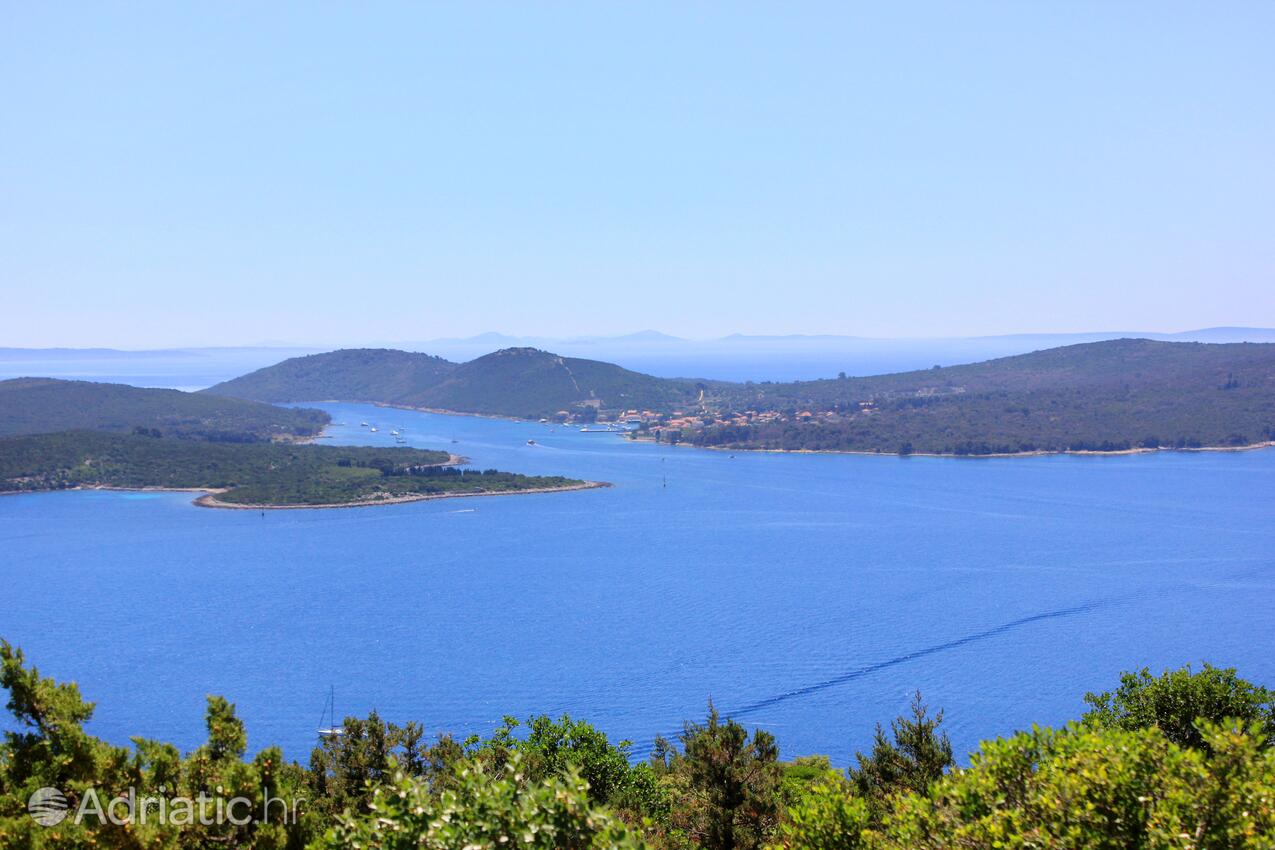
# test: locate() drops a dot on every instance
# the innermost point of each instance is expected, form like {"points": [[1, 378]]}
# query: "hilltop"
{"points": [[519, 382], [352, 374], [44, 405], [530, 383], [1110, 395]]}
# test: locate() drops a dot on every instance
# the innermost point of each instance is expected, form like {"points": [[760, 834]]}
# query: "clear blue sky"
{"points": [[228, 173]]}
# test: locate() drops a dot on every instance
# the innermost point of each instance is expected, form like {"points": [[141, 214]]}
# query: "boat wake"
{"points": [[867, 670], [642, 751]]}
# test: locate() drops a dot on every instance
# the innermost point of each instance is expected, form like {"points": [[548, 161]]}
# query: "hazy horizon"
{"points": [[738, 358], [657, 337]]}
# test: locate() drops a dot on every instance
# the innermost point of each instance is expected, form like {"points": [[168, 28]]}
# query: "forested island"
{"points": [[266, 475], [1181, 759], [244, 453], [1111, 396]]}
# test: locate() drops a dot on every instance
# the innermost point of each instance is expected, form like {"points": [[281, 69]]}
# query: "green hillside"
{"points": [[1107, 365], [268, 474], [43, 405], [1101, 396], [353, 374]]}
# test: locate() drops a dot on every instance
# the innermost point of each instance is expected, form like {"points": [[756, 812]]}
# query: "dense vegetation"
{"points": [[1104, 396], [521, 382], [252, 474], [1117, 778], [45, 405]]}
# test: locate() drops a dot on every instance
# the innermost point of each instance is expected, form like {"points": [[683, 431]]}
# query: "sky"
{"points": [[332, 173]]}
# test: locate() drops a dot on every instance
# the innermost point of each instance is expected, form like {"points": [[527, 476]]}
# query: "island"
{"points": [[254, 475]]}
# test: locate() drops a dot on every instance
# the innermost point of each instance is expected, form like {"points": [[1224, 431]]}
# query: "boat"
{"points": [[373, 429], [394, 433], [363, 424], [531, 442], [331, 730]]}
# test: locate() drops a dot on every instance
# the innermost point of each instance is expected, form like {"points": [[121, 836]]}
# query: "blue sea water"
{"points": [[806, 594]]}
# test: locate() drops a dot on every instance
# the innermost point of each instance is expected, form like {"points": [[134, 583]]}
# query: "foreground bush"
{"points": [[1078, 788], [481, 809]]}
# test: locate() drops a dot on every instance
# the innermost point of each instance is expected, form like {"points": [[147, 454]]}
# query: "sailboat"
{"points": [[331, 730]]}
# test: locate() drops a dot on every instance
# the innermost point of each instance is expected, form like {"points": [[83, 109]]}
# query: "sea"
{"points": [[807, 594]]}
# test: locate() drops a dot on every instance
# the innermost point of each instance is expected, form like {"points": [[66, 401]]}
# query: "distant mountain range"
{"points": [[796, 357], [1104, 396], [738, 357], [1219, 334], [741, 357]]}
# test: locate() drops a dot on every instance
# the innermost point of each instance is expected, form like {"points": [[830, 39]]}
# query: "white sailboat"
{"points": [[330, 730]]}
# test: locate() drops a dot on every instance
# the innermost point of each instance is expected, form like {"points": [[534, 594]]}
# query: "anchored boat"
{"points": [[330, 730]]}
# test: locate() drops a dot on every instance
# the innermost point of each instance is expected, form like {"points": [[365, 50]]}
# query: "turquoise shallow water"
{"points": [[808, 594]]}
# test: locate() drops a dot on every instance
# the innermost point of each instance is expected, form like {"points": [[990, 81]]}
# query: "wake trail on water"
{"points": [[1263, 569], [869, 669]]}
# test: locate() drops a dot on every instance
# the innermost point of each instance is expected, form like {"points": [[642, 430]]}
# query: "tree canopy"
{"points": [[1124, 777]]}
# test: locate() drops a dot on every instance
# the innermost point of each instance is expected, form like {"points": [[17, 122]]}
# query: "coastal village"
{"points": [[680, 425]]}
